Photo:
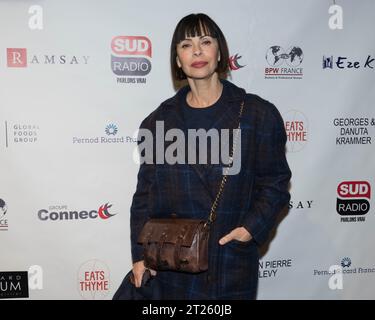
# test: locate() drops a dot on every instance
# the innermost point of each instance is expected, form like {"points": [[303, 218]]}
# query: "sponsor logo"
{"points": [[270, 268], [14, 284], [62, 213], [233, 62], [111, 131], [345, 63], [300, 204], [284, 64], [354, 130], [19, 58], [21, 133], [345, 267], [130, 58], [3, 217], [93, 280], [353, 200], [296, 127]]}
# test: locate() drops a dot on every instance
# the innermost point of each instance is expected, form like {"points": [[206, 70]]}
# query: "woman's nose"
{"points": [[197, 50]]}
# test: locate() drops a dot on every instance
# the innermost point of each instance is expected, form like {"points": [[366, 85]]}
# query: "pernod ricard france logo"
{"points": [[353, 200], [130, 58]]}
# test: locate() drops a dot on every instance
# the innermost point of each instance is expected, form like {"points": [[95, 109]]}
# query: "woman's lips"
{"points": [[199, 64]]}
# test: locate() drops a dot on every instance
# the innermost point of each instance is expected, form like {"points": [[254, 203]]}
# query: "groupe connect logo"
{"points": [[3, 217], [353, 200], [130, 58], [284, 64], [19, 58], [62, 212], [93, 281]]}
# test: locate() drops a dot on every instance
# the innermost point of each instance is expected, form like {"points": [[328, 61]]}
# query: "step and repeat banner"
{"points": [[78, 77]]}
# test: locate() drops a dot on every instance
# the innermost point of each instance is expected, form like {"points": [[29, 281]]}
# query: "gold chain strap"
{"points": [[212, 216]]}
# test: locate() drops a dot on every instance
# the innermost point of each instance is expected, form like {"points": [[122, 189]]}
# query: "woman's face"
{"points": [[198, 56]]}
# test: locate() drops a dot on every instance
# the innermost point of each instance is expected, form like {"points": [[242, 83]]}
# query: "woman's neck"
{"points": [[204, 92]]}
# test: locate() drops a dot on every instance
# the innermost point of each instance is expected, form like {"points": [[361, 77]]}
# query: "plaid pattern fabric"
{"points": [[252, 199]]}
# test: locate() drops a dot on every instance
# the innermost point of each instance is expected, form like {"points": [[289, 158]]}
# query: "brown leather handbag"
{"points": [[179, 244]]}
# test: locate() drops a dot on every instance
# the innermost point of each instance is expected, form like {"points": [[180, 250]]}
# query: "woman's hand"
{"points": [[239, 234], [138, 271]]}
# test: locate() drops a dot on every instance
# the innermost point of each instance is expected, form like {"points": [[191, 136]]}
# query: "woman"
{"points": [[252, 198]]}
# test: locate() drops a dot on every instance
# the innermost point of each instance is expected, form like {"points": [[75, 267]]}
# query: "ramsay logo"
{"points": [[130, 57], [16, 57], [353, 199]]}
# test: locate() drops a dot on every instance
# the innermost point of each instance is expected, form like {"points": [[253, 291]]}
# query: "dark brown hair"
{"points": [[195, 25]]}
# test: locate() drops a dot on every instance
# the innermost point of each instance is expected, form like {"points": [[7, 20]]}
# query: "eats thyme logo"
{"points": [[353, 200]]}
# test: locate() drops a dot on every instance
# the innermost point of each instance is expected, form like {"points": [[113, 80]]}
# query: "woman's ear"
{"points": [[178, 62]]}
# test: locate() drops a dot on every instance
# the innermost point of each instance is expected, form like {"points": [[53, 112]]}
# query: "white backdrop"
{"points": [[67, 123]]}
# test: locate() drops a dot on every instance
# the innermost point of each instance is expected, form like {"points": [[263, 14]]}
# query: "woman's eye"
{"points": [[185, 45], [206, 42]]}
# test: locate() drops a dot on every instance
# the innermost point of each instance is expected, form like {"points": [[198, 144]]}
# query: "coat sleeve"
{"points": [[272, 175], [140, 207]]}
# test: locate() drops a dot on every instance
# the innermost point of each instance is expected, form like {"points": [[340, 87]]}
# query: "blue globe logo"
{"points": [[346, 262]]}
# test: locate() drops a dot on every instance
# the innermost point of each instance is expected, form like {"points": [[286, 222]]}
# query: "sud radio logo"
{"points": [[61, 213], [353, 200], [129, 58]]}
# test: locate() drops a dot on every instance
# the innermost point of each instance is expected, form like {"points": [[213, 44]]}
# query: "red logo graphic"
{"points": [[354, 189], [103, 211], [16, 57], [131, 45]]}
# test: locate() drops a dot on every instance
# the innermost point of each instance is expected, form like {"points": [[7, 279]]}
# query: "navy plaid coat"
{"points": [[252, 199]]}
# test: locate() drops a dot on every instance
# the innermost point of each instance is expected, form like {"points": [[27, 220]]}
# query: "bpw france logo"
{"points": [[130, 56], [353, 200]]}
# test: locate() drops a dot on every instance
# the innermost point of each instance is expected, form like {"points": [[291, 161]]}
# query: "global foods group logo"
{"points": [[111, 130], [3, 217], [353, 200], [284, 64], [93, 280], [62, 213], [296, 127], [129, 58], [21, 133]]}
